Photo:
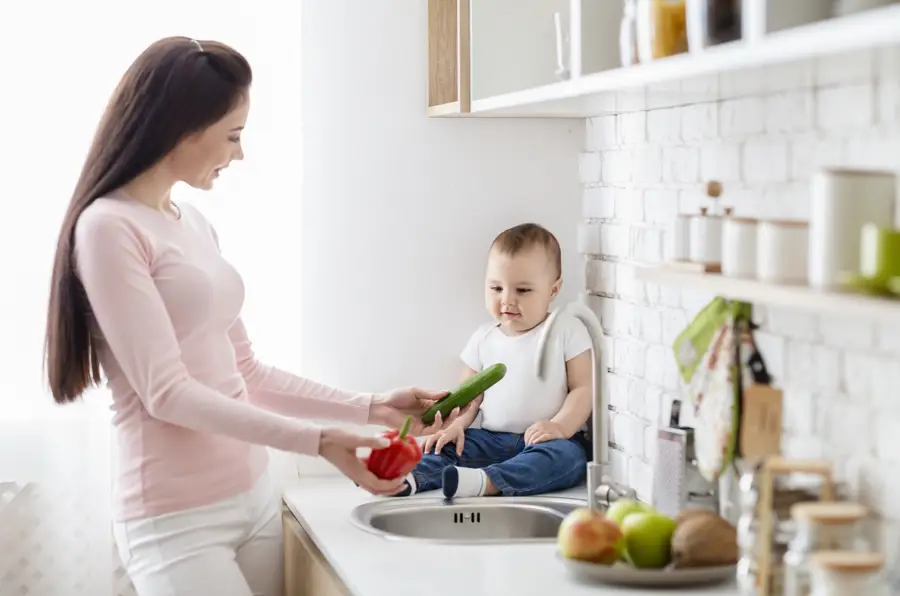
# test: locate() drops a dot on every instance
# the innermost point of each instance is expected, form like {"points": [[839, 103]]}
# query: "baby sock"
{"points": [[463, 482], [409, 488]]}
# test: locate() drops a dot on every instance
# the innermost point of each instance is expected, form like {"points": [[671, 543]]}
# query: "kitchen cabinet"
{"points": [[306, 572], [499, 58], [448, 57], [481, 49]]}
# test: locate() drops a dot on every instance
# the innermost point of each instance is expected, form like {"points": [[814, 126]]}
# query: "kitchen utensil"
{"points": [[677, 483], [781, 251], [842, 202], [622, 574]]}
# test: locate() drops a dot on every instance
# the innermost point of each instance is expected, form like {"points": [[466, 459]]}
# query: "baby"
{"points": [[530, 439]]}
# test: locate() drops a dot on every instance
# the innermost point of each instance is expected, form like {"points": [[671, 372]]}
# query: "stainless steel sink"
{"points": [[476, 520]]}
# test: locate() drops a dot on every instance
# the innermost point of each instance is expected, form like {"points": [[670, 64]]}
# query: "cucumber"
{"points": [[466, 392]]}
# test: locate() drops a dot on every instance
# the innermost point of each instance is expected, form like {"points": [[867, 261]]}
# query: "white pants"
{"points": [[232, 547]]}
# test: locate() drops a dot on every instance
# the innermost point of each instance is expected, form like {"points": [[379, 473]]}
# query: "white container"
{"points": [[706, 238], [781, 251], [761, 17], [739, 247], [842, 201], [712, 22], [847, 7], [678, 244], [842, 573]]}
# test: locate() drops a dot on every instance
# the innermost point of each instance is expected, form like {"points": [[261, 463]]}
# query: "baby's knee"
{"points": [[562, 448]]}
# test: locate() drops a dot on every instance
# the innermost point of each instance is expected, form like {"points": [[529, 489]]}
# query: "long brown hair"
{"points": [[176, 87]]}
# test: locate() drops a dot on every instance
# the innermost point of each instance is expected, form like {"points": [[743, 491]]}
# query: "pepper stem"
{"points": [[405, 428]]}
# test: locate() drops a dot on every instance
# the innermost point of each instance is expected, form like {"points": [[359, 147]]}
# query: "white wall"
{"points": [[57, 79], [761, 133], [399, 210]]}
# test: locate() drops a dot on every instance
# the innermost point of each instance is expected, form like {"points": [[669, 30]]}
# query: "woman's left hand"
{"points": [[391, 409]]}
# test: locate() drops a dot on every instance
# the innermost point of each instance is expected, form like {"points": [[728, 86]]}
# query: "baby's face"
{"points": [[520, 288]]}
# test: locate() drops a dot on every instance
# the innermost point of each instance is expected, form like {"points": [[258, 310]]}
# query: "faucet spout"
{"points": [[602, 489], [581, 311]]}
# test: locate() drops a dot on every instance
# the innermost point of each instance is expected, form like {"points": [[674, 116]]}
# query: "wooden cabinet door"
{"points": [[448, 57], [306, 572]]}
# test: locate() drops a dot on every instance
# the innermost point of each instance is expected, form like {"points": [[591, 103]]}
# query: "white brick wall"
{"points": [[761, 133]]}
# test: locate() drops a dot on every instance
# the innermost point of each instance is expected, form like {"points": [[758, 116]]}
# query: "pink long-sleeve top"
{"points": [[192, 407]]}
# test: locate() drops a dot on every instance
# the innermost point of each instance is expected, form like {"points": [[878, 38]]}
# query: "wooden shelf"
{"points": [[445, 109], [843, 304], [584, 96]]}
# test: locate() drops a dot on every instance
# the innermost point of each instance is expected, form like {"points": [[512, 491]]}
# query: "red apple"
{"points": [[587, 535]]}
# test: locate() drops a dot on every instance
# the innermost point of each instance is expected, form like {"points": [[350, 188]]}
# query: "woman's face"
{"points": [[199, 158]]}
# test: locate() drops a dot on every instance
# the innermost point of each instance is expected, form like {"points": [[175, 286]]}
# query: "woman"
{"points": [[139, 287]]}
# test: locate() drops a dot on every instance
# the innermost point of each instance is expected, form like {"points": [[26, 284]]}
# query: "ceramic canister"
{"points": [[781, 251], [739, 247], [842, 202], [679, 238], [706, 238]]}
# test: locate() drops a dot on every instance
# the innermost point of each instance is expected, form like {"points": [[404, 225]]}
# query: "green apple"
{"points": [[648, 539], [622, 508]]}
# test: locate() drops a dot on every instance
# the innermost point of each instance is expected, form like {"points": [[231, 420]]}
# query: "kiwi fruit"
{"points": [[690, 513], [704, 541]]}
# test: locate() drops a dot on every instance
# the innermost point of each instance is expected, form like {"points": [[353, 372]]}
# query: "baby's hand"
{"points": [[545, 430], [454, 433]]}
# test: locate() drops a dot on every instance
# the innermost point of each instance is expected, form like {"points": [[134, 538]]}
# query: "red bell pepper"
{"points": [[397, 459]]}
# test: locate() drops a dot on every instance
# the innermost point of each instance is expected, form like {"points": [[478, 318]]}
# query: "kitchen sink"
{"points": [[478, 520]]}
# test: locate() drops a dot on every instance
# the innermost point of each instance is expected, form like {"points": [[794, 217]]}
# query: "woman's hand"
{"points": [[339, 448], [391, 409]]}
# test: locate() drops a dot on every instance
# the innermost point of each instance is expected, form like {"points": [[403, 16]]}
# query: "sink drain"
{"points": [[461, 518]]}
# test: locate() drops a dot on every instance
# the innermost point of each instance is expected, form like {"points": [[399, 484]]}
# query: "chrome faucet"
{"points": [[602, 489]]}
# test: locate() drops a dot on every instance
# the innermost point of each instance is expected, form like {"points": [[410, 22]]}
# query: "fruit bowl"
{"points": [[633, 544], [623, 574]]}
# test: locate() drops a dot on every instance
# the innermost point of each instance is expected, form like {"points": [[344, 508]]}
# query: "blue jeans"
{"points": [[516, 469]]}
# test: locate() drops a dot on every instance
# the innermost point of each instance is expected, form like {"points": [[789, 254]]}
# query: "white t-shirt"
{"points": [[520, 399]]}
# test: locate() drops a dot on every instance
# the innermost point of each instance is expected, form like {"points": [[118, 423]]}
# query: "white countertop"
{"points": [[373, 566]]}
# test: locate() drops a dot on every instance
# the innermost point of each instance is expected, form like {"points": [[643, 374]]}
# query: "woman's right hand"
{"points": [[338, 447]]}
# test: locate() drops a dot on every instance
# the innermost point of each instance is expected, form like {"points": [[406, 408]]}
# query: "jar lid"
{"points": [[786, 223], [847, 561], [839, 171], [747, 220], [829, 512]]}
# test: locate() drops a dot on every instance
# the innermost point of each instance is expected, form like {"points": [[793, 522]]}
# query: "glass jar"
{"points": [[628, 40], [711, 22], [820, 526], [748, 580], [843, 573], [661, 28]]}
